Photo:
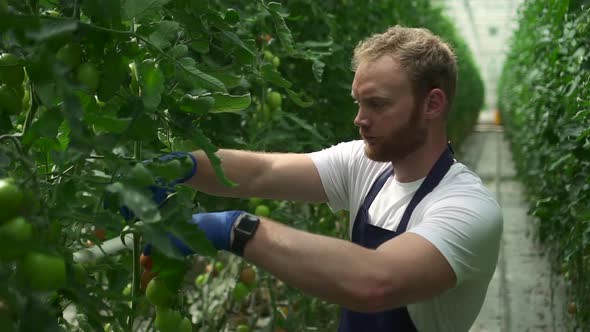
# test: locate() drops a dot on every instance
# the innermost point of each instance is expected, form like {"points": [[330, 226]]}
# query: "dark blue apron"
{"points": [[370, 236]]}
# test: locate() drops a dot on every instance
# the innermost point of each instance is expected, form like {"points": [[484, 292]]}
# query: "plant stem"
{"points": [[136, 253], [273, 304]]}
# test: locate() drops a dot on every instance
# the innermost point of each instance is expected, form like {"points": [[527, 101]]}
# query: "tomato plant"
{"points": [[548, 131]]}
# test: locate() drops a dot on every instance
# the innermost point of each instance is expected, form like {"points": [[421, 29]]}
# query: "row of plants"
{"points": [[545, 101], [90, 89]]}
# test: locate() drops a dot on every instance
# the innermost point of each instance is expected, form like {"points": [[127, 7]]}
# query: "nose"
{"points": [[361, 119]]}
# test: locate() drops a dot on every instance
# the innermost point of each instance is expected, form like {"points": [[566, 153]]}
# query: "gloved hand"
{"points": [[162, 187], [217, 227]]}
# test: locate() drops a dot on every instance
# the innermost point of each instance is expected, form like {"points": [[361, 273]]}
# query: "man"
{"points": [[425, 231]]}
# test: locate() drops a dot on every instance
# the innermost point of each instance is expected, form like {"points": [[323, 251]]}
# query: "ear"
{"points": [[435, 104]]}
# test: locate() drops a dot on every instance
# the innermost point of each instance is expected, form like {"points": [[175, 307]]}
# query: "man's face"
{"points": [[388, 118]]}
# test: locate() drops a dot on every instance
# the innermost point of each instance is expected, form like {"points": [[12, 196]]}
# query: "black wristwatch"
{"points": [[243, 230]]}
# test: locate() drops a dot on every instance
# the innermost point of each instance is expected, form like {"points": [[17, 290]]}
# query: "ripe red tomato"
{"points": [[146, 262]]}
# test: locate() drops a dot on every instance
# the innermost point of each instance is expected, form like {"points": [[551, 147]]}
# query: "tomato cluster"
{"points": [[162, 297], [37, 271]]}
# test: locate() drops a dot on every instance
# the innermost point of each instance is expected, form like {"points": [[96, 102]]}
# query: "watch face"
{"points": [[248, 222]]}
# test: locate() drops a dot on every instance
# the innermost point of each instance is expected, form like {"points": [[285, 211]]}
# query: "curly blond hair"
{"points": [[429, 61]]}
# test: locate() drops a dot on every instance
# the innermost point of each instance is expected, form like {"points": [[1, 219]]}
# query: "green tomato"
{"points": [[262, 210], [11, 72], [219, 266], [185, 325], [240, 292], [201, 280], [167, 320], [11, 200], [89, 76], [268, 56], [274, 100], [276, 62], [255, 201], [70, 55], [10, 101], [44, 272], [242, 328], [17, 229], [158, 293]]}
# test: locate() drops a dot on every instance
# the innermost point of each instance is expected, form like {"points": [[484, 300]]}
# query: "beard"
{"points": [[399, 143]]}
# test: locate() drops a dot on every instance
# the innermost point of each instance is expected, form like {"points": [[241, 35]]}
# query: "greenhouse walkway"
{"points": [[524, 294]]}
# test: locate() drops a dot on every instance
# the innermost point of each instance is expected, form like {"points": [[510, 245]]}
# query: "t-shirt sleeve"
{"points": [[467, 230], [334, 166]]}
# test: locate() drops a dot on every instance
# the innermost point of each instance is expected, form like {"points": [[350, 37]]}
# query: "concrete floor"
{"points": [[524, 295]]}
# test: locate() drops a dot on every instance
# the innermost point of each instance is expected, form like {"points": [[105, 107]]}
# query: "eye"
{"points": [[377, 104]]}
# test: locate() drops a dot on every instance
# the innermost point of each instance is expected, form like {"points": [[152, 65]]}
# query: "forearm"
{"points": [[279, 176], [338, 271], [241, 167]]}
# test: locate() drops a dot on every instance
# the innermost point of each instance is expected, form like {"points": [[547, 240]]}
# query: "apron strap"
{"points": [[376, 187], [436, 174]]}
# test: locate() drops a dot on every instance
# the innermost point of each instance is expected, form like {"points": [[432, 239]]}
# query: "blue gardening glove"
{"points": [[217, 227], [162, 188]]}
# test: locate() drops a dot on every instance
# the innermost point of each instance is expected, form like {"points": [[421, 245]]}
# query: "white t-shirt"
{"points": [[460, 217]]}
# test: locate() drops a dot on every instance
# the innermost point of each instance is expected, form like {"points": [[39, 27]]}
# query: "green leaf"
{"points": [[199, 78], [226, 76], [281, 27], [298, 100], [200, 45], [178, 51], [236, 40], [140, 8], [143, 128], [204, 143], [229, 103], [164, 34], [46, 126], [139, 202], [114, 74], [151, 80], [47, 92], [273, 76], [103, 12], [304, 125], [196, 104], [104, 121]]}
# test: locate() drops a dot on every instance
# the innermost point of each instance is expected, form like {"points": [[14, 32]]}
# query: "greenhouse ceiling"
{"points": [[486, 26]]}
